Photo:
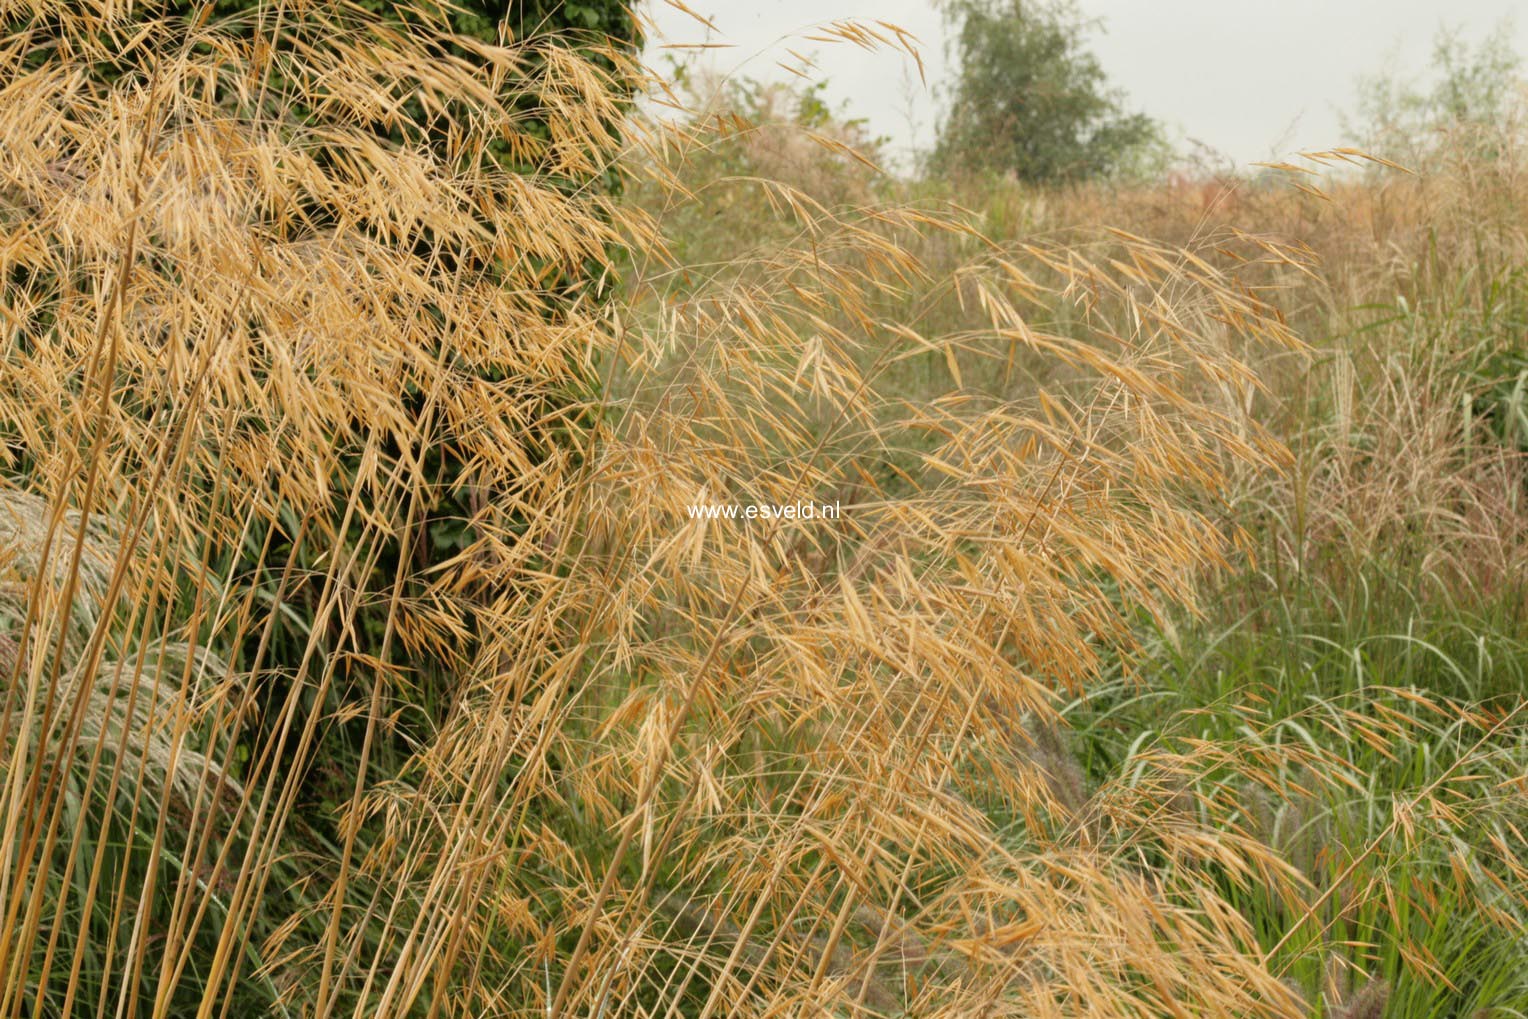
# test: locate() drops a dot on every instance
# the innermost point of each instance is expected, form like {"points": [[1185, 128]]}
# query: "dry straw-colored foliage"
{"points": [[688, 767]]}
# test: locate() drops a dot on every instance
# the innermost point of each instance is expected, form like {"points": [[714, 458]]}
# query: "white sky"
{"points": [[1250, 78]]}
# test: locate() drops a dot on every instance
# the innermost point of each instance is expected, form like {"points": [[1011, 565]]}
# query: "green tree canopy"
{"points": [[1030, 100]]}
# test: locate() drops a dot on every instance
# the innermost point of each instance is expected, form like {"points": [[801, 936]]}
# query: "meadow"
{"points": [[1167, 656]]}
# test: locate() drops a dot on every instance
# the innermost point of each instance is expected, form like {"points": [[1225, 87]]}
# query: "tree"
{"points": [[1469, 111], [1029, 100]]}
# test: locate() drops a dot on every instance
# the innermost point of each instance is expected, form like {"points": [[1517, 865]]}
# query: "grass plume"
{"points": [[982, 744]]}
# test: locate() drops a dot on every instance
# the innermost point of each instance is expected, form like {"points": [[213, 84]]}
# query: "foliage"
{"points": [[1031, 101], [1469, 111]]}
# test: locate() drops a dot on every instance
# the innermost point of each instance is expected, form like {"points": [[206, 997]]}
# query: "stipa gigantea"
{"points": [[684, 767], [248, 308], [773, 734], [847, 673]]}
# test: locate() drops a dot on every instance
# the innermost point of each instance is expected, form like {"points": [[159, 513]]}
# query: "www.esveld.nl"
{"points": [[764, 511]]}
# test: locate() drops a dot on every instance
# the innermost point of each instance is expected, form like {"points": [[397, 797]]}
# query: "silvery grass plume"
{"points": [[36, 548], [113, 729], [126, 706]]}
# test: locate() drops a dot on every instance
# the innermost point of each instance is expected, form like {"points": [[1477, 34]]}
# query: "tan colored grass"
{"points": [[687, 767]]}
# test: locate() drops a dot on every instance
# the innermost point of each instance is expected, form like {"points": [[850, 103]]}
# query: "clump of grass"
{"points": [[778, 740], [685, 766], [1385, 557], [246, 299]]}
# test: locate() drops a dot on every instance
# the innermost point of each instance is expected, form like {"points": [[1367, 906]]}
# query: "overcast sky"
{"points": [[1250, 78]]}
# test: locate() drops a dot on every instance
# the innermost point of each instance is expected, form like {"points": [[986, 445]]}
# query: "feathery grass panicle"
{"points": [[687, 764], [246, 304]]}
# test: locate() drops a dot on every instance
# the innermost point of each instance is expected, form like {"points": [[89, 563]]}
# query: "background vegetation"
{"points": [[1030, 100], [1168, 658]]}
